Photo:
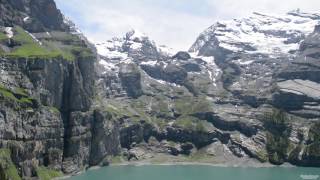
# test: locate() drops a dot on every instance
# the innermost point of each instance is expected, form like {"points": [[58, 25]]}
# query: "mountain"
{"points": [[247, 92], [248, 87], [254, 51]]}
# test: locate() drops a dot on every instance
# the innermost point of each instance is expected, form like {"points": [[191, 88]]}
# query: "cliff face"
{"points": [[46, 93]]}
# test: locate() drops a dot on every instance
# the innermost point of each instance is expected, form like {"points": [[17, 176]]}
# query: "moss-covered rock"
{"points": [[191, 105], [276, 123], [309, 154], [191, 123], [45, 173], [18, 96], [25, 45], [8, 170]]}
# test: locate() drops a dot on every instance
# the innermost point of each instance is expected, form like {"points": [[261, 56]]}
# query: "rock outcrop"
{"points": [[33, 15], [131, 79], [298, 82]]}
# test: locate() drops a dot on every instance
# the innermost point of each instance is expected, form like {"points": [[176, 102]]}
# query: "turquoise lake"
{"points": [[197, 172]]}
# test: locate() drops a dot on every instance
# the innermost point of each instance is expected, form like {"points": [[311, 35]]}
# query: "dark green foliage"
{"points": [[45, 173], [314, 133], [17, 95], [190, 105], [8, 170], [276, 122], [3, 37], [191, 123], [278, 131], [313, 148]]}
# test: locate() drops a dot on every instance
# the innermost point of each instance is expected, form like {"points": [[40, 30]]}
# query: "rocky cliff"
{"points": [[247, 91], [47, 91]]}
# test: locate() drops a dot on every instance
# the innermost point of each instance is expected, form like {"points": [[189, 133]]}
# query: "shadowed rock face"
{"points": [[46, 112], [47, 13], [33, 15], [182, 55], [131, 79]]}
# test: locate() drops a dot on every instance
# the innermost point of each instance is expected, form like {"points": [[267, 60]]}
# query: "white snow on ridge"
{"points": [[26, 19], [151, 63], [241, 62], [117, 50], [166, 50], [266, 34], [212, 68], [108, 65], [111, 55], [34, 38], [136, 46], [111, 49], [135, 35], [9, 32]]}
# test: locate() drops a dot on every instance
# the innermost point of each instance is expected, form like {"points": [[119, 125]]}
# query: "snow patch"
{"points": [[127, 61], [34, 38], [108, 65], [241, 62], [110, 51], [136, 46], [9, 32], [150, 63], [212, 69], [135, 35], [26, 19], [166, 50]]}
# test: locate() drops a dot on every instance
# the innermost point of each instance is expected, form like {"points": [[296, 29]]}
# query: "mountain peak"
{"points": [[300, 13], [268, 35], [135, 35]]}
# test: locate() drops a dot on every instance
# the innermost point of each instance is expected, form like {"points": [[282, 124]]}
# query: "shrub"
{"points": [[45, 173], [8, 170], [278, 132]]}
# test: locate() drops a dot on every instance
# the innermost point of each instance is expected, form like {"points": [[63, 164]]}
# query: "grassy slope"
{"points": [[47, 174], [28, 47], [7, 168], [18, 95]]}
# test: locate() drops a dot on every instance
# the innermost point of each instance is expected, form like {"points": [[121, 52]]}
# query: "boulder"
{"points": [[182, 55]]}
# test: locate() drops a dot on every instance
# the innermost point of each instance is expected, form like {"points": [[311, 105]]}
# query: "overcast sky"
{"points": [[175, 23]]}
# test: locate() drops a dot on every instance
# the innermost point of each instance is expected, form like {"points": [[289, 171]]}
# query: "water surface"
{"points": [[197, 172]]}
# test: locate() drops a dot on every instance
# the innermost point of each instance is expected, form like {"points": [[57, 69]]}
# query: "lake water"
{"points": [[197, 172]]}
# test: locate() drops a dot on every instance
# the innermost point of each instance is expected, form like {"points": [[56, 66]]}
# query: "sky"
{"points": [[175, 23]]}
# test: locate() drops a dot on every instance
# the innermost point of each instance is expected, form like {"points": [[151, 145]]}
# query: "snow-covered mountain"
{"points": [[237, 55], [136, 48], [263, 34], [234, 73]]}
